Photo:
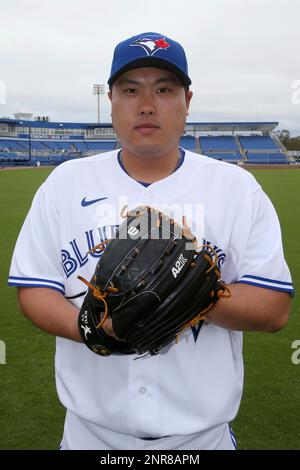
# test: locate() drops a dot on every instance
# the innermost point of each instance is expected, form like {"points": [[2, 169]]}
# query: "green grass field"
{"points": [[30, 414]]}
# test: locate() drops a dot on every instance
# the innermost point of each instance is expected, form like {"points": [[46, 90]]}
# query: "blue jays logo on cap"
{"points": [[151, 45], [149, 50]]}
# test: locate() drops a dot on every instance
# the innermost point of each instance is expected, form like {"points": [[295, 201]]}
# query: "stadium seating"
{"points": [[220, 148], [258, 143], [11, 145], [249, 149], [229, 156], [103, 146], [15, 152], [211, 144], [267, 158], [188, 142]]}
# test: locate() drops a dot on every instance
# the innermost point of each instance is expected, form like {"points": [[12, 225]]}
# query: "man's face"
{"points": [[149, 109]]}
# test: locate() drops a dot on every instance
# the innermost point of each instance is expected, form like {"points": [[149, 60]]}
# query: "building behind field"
{"points": [[39, 142]]}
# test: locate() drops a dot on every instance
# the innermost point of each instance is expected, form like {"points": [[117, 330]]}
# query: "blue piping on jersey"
{"points": [[233, 438], [267, 279], [268, 286], [14, 284], [16, 278]]}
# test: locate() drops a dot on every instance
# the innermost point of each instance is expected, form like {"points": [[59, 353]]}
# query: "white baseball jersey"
{"points": [[192, 388]]}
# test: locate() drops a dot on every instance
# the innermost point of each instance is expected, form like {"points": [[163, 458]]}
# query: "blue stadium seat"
{"points": [[104, 146], [258, 143], [210, 144], [188, 142], [227, 156], [267, 158]]}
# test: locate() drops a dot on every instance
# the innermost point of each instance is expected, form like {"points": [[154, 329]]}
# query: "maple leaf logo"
{"points": [[162, 44]]}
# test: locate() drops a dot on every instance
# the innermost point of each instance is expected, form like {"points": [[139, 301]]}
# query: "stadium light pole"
{"points": [[99, 90], [29, 142]]}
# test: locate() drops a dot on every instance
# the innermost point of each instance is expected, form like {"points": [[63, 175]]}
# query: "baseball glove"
{"points": [[153, 281]]}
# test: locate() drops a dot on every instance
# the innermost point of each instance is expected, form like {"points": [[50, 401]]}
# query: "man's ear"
{"points": [[188, 97], [109, 95]]}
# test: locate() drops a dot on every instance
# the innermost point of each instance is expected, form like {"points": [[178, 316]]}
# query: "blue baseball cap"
{"points": [[149, 50]]}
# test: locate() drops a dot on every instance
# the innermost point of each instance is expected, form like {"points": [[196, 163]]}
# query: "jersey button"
{"points": [[142, 390]]}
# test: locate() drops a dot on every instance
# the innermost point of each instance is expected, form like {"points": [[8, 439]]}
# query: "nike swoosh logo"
{"points": [[86, 203]]}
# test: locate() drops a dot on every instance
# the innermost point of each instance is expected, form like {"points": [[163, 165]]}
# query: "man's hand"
{"points": [[108, 328]]}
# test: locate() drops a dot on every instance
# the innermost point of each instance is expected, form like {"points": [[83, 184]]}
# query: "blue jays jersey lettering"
{"points": [[218, 251], [73, 256], [168, 397]]}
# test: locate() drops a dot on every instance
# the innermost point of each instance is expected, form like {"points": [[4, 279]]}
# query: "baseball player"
{"points": [[185, 397]]}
